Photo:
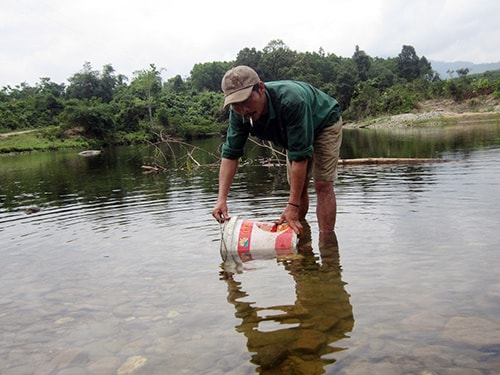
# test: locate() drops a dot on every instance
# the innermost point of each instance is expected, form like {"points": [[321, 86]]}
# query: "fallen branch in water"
{"points": [[279, 156], [164, 158], [364, 161]]}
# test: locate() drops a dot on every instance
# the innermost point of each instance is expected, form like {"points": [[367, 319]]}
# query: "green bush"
{"points": [[496, 86]]}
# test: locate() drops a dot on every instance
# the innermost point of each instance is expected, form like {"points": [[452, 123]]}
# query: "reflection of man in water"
{"points": [[322, 314]]}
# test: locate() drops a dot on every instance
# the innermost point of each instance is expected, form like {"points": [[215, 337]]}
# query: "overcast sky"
{"points": [[54, 38]]}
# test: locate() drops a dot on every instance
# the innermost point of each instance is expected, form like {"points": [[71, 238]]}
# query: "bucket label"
{"points": [[244, 237], [284, 243], [260, 240]]}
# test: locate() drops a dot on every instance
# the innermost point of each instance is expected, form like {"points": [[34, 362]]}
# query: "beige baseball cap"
{"points": [[237, 84]]}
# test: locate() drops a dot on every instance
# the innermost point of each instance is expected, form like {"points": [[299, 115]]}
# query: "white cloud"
{"points": [[53, 38], [442, 30]]}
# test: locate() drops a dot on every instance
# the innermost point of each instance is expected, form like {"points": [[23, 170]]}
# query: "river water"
{"points": [[120, 271]]}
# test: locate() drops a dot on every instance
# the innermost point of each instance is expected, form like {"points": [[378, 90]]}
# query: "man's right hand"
{"points": [[291, 216]]}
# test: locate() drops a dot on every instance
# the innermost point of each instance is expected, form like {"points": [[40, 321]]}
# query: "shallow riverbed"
{"points": [[120, 271]]}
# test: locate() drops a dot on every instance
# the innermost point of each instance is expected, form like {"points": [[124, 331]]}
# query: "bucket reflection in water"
{"points": [[244, 240], [304, 333]]}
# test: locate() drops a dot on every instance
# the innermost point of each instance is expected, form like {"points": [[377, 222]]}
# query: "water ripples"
{"points": [[119, 210], [130, 267]]}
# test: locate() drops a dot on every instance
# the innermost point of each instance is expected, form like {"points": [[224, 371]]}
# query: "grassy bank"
{"points": [[49, 139], [37, 140]]}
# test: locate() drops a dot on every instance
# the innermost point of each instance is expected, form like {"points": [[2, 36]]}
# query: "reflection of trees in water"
{"points": [[320, 316], [418, 142]]}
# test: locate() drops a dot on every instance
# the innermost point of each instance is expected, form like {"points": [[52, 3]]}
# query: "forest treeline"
{"points": [[109, 107]]}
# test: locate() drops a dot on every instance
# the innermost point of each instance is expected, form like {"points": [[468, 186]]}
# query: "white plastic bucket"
{"points": [[251, 240]]}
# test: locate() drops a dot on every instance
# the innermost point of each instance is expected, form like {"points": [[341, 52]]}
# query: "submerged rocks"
{"points": [[32, 210], [132, 364]]}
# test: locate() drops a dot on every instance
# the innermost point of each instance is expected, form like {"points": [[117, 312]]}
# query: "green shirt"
{"points": [[297, 112]]}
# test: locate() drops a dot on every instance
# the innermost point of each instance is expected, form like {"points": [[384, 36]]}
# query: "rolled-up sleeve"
{"points": [[236, 138]]}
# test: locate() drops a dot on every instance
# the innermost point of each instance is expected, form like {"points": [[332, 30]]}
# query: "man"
{"points": [[294, 115]]}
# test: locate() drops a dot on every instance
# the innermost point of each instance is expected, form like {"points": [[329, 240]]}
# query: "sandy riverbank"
{"points": [[437, 112]]}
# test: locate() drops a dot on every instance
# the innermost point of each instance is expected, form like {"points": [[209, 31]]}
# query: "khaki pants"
{"points": [[323, 165]]}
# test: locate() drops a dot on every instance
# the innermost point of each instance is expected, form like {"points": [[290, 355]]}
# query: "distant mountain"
{"points": [[442, 67]]}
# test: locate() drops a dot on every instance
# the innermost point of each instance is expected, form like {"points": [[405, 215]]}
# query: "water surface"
{"points": [[121, 269]]}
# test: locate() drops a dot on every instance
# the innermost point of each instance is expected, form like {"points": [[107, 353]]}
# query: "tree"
{"points": [[46, 86], [383, 73], [208, 76], [84, 84], [108, 82], [315, 69], [147, 84], [425, 70], [92, 115], [89, 83], [408, 64], [250, 57], [346, 82], [130, 110], [48, 102], [175, 84], [364, 101], [276, 61], [463, 72], [362, 62]]}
